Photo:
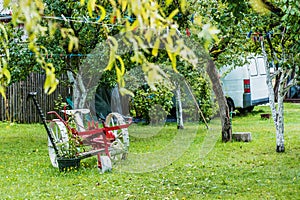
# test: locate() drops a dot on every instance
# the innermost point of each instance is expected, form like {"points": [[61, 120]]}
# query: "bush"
{"points": [[152, 105], [201, 88]]}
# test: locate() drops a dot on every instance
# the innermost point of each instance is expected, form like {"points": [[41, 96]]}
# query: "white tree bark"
{"points": [[280, 117], [79, 91], [179, 107], [277, 113]]}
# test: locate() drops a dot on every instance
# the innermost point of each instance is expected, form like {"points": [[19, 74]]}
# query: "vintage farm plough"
{"points": [[76, 136]]}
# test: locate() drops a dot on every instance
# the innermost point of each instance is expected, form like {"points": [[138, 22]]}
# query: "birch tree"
{"points": [[179, 116], [273, 27], [279, 43]]}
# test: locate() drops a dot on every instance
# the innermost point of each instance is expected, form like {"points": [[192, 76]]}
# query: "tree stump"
{"points": [[265, 116], [242, 136]]}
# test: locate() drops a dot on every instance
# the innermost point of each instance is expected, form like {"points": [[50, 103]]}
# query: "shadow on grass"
{"points": [[247, 114]]}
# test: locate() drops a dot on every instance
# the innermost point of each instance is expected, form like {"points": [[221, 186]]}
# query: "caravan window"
{"points": [[261, 65], [253, 67]]}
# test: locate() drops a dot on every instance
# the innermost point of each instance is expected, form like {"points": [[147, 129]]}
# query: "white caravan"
{"points": [[245, 87]]}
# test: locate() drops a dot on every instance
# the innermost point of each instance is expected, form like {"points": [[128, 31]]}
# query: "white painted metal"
{"points": [[60, 136], [233, 82]]}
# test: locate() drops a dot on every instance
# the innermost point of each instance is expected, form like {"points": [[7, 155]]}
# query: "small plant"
{"points": [[59, 103], [69, 152], [69, 147], [72, 147]]}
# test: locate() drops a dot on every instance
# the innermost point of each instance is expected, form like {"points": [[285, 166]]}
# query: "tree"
{"points": [[222, 14], [273, 26], [279, 42], [152, 24], [29, 15], [69, 21], [89, 34], [179, 116]]}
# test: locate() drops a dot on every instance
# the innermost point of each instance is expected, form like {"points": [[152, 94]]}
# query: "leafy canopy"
{"points": [[145, 25]]}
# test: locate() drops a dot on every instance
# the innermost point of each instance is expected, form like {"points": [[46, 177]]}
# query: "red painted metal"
{"points": [[99, 139]]}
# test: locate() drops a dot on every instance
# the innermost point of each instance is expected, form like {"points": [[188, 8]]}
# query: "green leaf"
{"points": [[2, 91], [155, 47], [124, 91], [183, 5], [111, 60], [114, 44], [259, 7], [173, 13], [51, 82], [148, 35], [70, 45], [2, 27], [6, 3], [141, 44], [5, 71], [168, 2], [91, 7], [174, 62], [103, 13], [39, 4], [124, 5], [122, 65], [172, 57], [113, 48], [120, 79]]}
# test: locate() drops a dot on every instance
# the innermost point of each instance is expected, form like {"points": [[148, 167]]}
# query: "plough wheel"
{"points": [[60, 136], [119, 147]]}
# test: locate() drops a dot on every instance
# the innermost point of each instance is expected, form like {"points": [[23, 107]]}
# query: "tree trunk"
{"points": [[280, 116], [79, 91], [276, 85], [277, 114], [179, 108], [280, 126], [223, 107]]}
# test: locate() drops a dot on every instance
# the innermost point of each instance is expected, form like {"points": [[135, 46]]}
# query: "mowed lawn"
{"points": [[163, 163]]}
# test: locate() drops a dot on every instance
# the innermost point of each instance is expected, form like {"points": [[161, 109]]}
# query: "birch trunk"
{"points": [[277, 114], [79, 91], [179, 108], [280, 117]]}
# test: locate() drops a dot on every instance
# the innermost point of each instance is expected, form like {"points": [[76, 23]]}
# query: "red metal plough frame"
{"points": [[110, 140]]}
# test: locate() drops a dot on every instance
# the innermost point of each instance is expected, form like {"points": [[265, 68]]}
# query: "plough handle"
{"points": [[32, 95]]}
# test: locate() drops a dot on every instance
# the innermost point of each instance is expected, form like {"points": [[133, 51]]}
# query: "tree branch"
{"points": [[272, 8]]}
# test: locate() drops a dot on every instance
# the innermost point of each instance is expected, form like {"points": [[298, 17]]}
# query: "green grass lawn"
{"points": [[163, 163]]}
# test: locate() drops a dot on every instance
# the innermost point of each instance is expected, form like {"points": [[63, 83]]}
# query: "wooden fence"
{"points": [[16, 108]]}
